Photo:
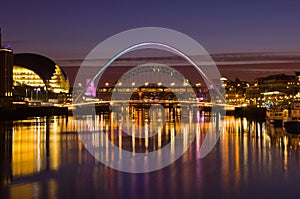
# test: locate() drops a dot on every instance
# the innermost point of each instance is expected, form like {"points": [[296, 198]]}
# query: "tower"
{"points": [[6, 75], [0, 38]]}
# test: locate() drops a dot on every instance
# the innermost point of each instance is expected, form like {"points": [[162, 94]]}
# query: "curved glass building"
{"points": [[39, 71], [36, 77]]}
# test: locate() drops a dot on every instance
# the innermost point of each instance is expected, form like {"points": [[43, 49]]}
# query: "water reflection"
{"points": [[35, 145], [44, 157], [5, 151], [144, 135]]}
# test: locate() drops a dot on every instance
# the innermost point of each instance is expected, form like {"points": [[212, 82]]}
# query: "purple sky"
{"points": [[69, 30]]}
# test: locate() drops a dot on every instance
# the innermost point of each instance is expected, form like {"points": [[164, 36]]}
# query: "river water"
{"points": [[45, 158]]}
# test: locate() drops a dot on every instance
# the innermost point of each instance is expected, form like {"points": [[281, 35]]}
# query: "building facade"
{"points": [[273, 90]]}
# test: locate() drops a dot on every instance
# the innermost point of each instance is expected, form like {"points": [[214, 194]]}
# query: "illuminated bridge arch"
{"points": [[159, 46]]}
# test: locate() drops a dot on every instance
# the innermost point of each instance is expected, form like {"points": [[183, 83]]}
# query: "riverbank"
{"points": [[31, 111], [252, 113]]}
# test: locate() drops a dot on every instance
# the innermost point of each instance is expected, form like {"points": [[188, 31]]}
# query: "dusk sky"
{"points": [[69, 30]]}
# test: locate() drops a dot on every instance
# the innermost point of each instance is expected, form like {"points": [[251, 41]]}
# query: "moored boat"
{"points": [[291, 122], [275, 116]]}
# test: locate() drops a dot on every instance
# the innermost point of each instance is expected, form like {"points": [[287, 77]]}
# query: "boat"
{"points": [[275, 116], [291, 122]]}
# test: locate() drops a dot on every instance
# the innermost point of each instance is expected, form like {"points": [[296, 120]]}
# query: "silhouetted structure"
{"points": [[6, 75]]}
